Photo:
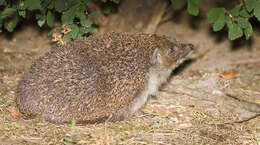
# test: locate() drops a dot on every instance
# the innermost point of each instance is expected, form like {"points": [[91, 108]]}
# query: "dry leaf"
{"points": [[157, 110], [185, 125], [15, 113], [228, 75]]}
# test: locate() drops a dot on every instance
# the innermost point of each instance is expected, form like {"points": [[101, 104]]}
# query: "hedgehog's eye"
{"points": [[172, 49]]}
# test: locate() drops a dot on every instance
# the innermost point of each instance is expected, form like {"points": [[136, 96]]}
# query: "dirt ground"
{"points": [[213, 98]]}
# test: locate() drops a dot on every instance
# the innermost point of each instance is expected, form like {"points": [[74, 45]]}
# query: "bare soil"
{"points": [[213, 98]]}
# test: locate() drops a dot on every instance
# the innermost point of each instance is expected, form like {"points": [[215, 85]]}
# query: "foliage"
{"points": [[237, 19], [75, 19], [78, 22], [108, 7]]}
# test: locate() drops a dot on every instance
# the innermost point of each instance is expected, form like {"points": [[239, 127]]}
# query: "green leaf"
{"points": [[235, 10], [46, 3], [73, 33], [248, 31], [92, 30], [83, 19], [50, 19], [33, 4], [70, 3], [41, 19], [41, 22], [250, 4], [243, 22], [220, 23], [74, 30], [257, 10], [51, 5], [214, 14], [51, 33], [86, 22], [176, 4], [60, 5], [11, 23], [21, 9], [63, 5], [80, 10], [244, 13], [94, 14], [21, 5], [84, 30], [86, 1], [234, 31], [116, 1], [22, 13], [193, 7], [106, 10], [199, 1], [228, 19], [68, 16], [75, 11], [81, 31], [7, 12], [80, 37]]}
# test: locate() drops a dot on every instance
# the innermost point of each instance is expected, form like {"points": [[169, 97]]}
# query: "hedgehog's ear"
{"points": [[157, 57]]}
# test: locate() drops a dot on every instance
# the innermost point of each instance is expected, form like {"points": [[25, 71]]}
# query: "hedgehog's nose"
{"points": [[187, 48], [191, 46]]}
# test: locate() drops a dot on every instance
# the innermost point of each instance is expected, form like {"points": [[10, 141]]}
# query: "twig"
{"points": [[238, 121], [243, 120], [157, 16], [246, 61]]}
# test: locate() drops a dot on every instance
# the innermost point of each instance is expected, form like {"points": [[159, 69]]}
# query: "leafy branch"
{"points": [[237, 19], [75, 19]]}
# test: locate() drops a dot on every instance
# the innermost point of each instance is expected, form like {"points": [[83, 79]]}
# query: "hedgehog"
{"points": [[105, 77]]}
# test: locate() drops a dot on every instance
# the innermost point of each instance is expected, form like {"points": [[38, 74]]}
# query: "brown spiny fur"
{"points": [[89, 80]]}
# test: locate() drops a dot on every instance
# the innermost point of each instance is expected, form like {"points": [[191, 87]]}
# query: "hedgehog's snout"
{"points": [[187, 49]]}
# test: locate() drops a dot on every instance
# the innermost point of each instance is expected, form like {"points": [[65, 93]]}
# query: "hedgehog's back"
{"points": [[88, 81]]}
